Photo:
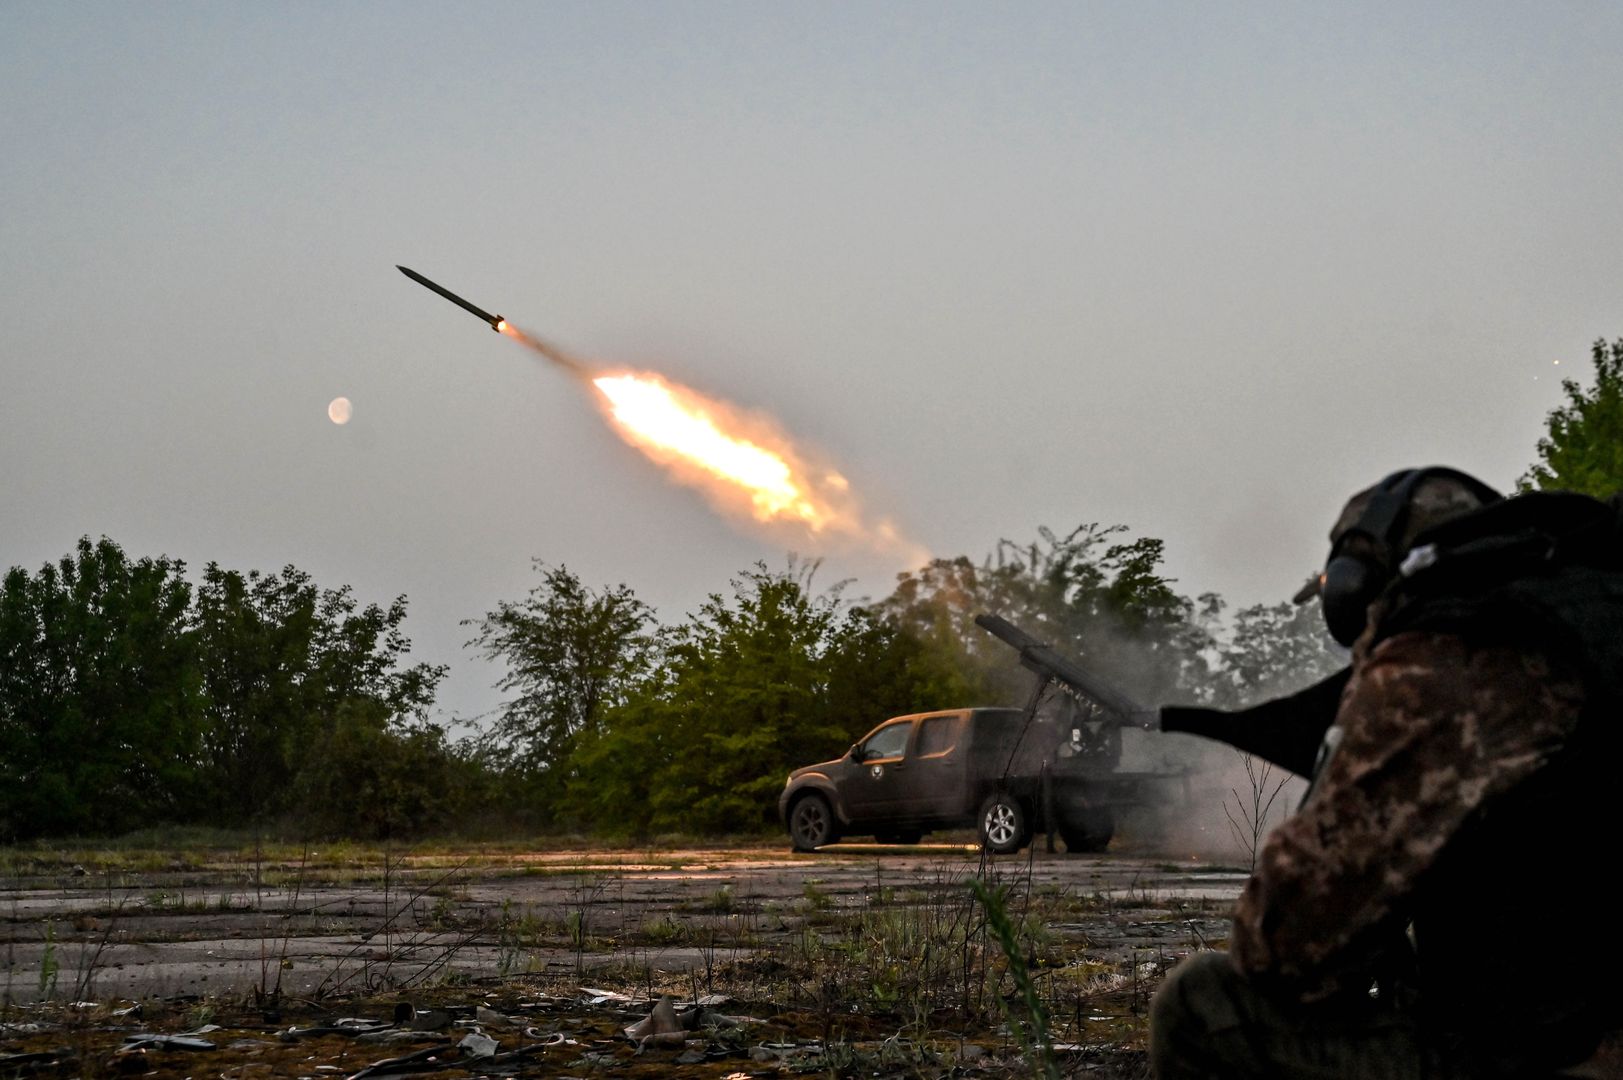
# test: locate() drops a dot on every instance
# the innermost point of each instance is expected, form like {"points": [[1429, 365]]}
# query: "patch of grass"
{"points": [[662, 931], [722, 901]]}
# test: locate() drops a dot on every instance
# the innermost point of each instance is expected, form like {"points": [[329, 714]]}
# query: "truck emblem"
{"points": [[876, 771]]}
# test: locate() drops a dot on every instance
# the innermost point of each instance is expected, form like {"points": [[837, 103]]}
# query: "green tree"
{"points": [[936, 606], [1583, 450], [99, 709], [371, 776], [283, 662], [1092, 593], [1274, 649], [572, 653], [876, 671], [129, 697]]}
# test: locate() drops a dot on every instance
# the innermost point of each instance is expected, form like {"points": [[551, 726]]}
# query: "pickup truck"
{"points": [[1053, 765], [960, 768]]}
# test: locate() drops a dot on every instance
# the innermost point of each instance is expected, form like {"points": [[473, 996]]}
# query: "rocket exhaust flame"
{"points": [[742, 463], [680, 429]]}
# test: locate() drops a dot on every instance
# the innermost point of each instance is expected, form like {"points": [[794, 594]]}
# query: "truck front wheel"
{"points": [[1003, 824], [811, 823]]}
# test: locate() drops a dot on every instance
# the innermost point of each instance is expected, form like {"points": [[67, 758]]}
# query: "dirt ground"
{"points": [[858, 959]]}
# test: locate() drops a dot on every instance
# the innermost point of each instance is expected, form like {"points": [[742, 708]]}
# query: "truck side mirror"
{"points": [[855, 753]]}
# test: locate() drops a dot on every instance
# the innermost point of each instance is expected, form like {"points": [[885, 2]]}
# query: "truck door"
{"points": [[931, 784], [872, 792]]}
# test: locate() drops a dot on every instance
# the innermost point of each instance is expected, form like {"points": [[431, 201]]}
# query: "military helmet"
{"points": [[1375, 531]]}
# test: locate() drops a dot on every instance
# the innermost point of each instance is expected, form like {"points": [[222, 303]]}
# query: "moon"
{"points": [[338, 410]]}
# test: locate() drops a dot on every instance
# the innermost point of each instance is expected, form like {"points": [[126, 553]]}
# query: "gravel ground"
{"points": [[855, 959]]}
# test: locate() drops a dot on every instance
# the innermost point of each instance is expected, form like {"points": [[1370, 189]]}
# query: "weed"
{"points": [[1248, 820], [661, 931], [514, 938], [442, 913], [583, 897], [1035, 1043], [48, 963], [90, 959]]}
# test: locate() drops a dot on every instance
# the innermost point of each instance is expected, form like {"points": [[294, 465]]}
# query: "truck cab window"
{"points": [[887, 742], [937, 735]]}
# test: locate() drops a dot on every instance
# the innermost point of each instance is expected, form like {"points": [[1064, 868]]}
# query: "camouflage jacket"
{"points": [[1400, 823]]}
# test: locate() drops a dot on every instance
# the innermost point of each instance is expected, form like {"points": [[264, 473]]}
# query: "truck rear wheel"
{"points": [[1090, 831], [1003, 824], [811, 823]]}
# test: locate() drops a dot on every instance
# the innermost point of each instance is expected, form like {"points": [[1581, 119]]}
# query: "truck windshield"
{"points": [[887, 742]]}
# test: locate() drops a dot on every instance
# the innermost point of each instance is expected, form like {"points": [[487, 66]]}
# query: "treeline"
{"points": [[132, 696]]}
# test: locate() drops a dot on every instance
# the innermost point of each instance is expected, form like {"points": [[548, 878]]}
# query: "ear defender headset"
{"points": [[1352, 580]]}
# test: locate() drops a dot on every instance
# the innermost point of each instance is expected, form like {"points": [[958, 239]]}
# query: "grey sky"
{"points": [[1200, 269]]}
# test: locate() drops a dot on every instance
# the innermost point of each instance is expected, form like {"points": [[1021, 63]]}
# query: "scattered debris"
{"points": [[394, 1036], [478, 1045], [490, 1018], [430, 1020], [772, 1051], [359, 1025], [421, 1061], [661, 1028], [143, 1040], [10, 1063]]}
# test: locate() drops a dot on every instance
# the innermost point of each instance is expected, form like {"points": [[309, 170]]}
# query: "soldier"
{"points": [[1440, 905]]}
